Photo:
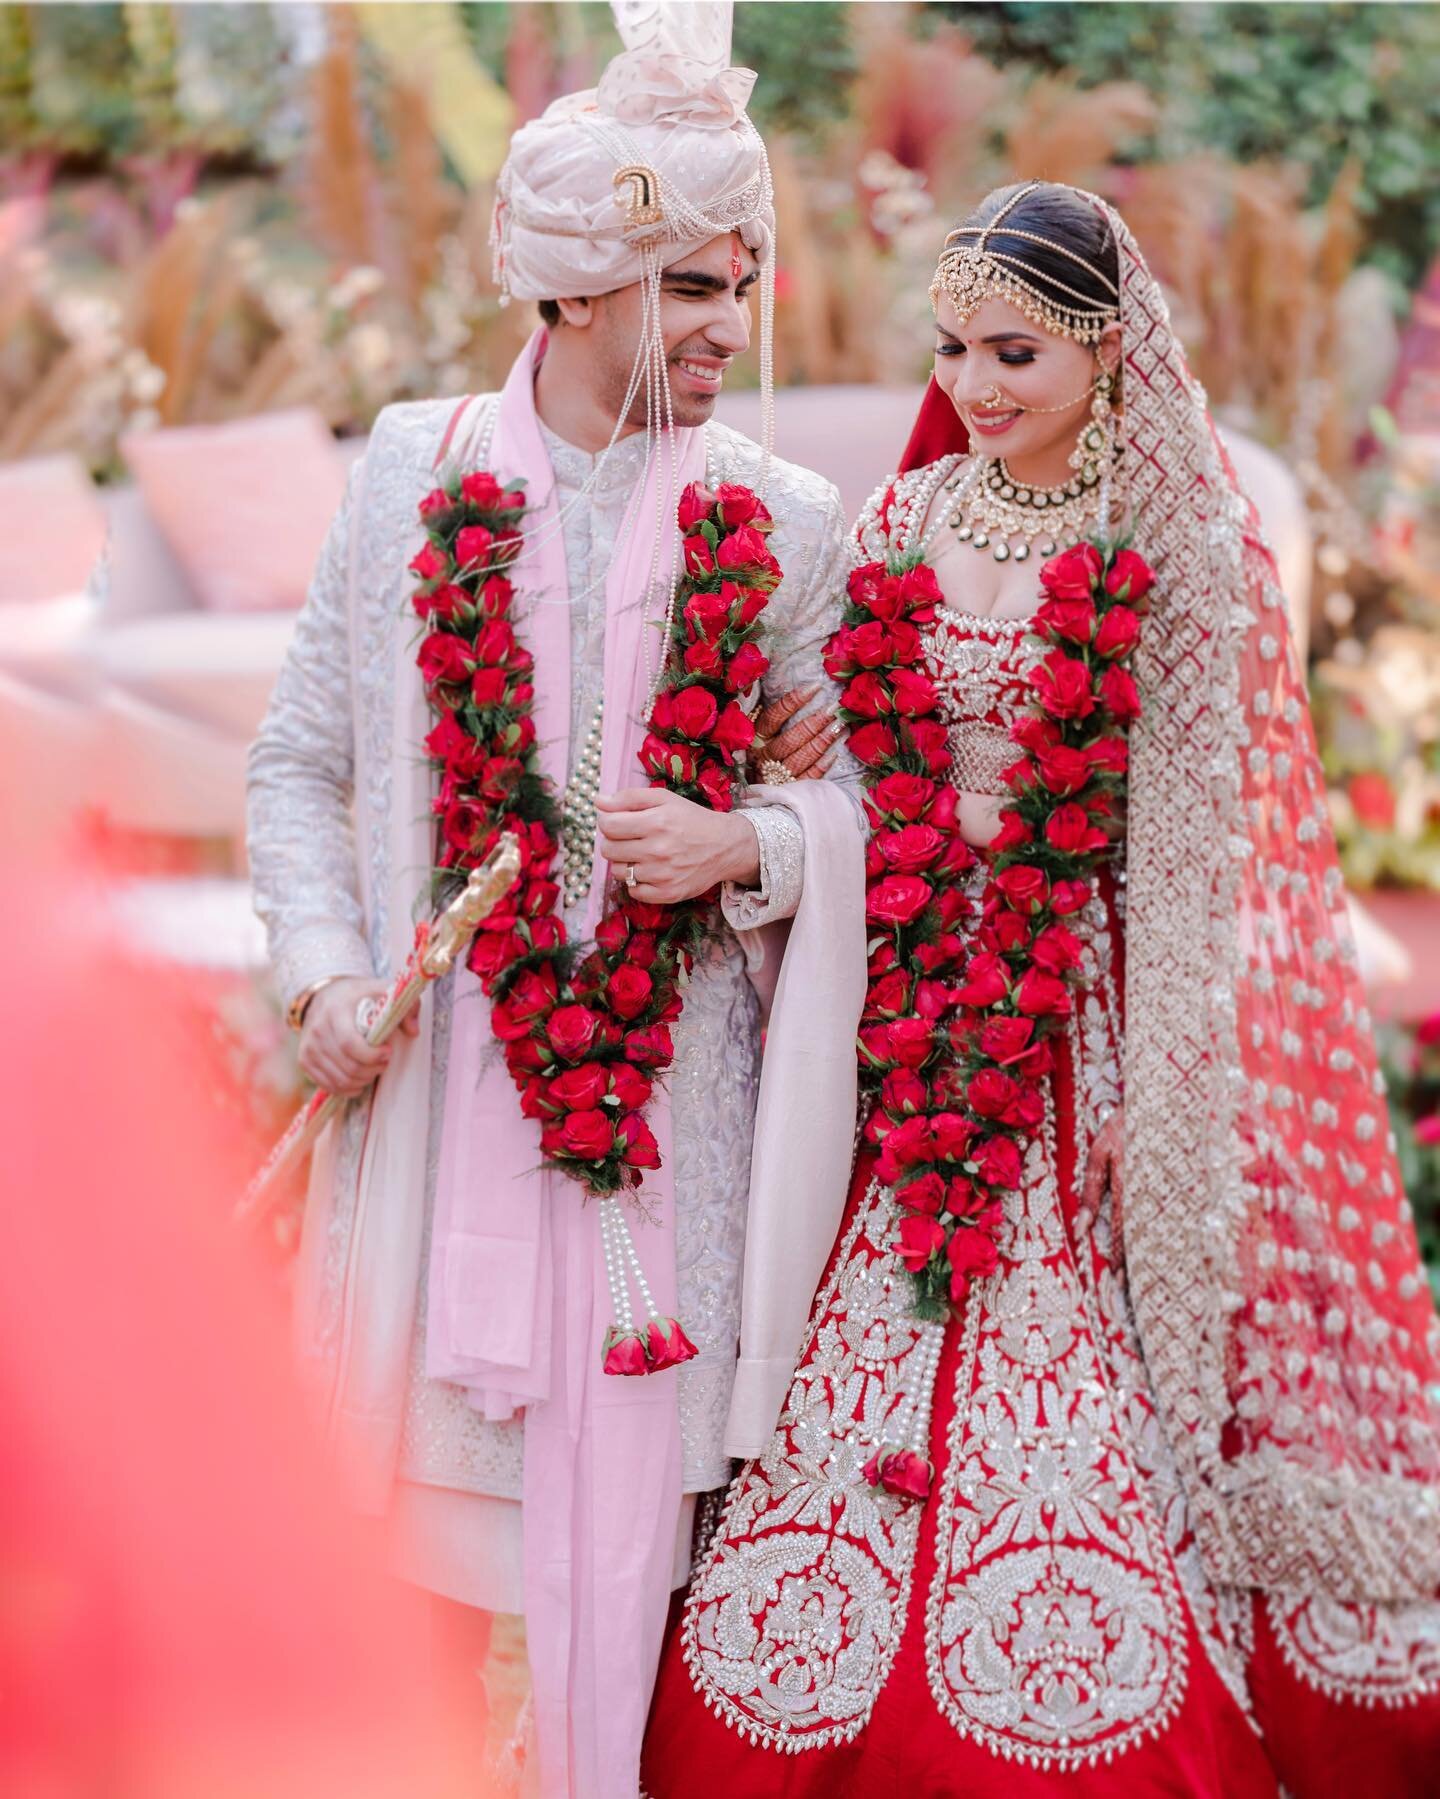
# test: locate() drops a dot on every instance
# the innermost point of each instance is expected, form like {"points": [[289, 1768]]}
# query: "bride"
{"points": [[1110, 1459]]}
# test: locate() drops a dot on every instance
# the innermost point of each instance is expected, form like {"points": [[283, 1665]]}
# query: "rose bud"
{"points": [[1072, 620], [997, 1161], [429, 563], [696, 504], [1129, 576], [1006, 1039], [897, 900], [1042, 995], [950, 1135], [1072, 574], [1119, 694], [1119, 632], [926, 1194], [698, 559], [666, 1344], [638, 1146], [902, 796], [1069, 829], [631, 1088], [930, 740], [972, 1255], [717, 785], [473, 545], [734, 729], [747, 666], [587, 1135], [623, 1352], [1013, 834], [703, 658], [694, 710], [1025, 888], [868, 695], [907, 1474], [1056, 950], [445, 658], [578, 1089], [986, 982], [629, 991], [903, 1091], [873, 744], [708, 615], [920, 1237], [915, 694], [1063, 686], [910, 1040], [571, 1030], [1062, 771], [1110, 755]]}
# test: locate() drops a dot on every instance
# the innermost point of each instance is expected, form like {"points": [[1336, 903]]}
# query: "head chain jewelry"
{"points": [[969, 274]]}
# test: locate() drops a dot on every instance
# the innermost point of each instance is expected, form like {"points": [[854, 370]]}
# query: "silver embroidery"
{"points": [[338, 681], [1054, 1627], [793, 1620]]}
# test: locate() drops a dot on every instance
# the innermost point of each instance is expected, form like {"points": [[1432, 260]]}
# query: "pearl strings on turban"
{"points": [[612, 185]]}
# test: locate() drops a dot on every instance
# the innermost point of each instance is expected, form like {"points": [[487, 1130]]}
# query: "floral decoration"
{"points": [[965, 993], [585, 1029]]}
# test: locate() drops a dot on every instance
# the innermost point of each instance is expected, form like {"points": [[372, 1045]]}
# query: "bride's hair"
{"points": [[1051, 210]]}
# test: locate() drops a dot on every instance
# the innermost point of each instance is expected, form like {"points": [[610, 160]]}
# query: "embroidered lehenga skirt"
{"points": [[1043, 1619]]}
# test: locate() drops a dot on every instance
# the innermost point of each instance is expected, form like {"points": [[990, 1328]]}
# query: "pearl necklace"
{"points": [[991, 507], [578, 816]]}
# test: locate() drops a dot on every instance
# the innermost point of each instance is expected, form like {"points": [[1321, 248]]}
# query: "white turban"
{"points": [[564, 229]]}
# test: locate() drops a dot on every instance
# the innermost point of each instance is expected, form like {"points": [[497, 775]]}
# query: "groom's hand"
{"points": [[676, 849], [334, 1051]]}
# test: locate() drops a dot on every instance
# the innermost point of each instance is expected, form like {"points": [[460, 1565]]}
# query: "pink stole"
{"points": [[518, 1297]]}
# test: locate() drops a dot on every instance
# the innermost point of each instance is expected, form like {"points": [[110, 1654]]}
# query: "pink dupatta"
{"points": [[518, 1295]]}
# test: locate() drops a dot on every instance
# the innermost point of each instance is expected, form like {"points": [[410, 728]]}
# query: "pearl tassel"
{"points": [[906, 1469], [661, 1342]]}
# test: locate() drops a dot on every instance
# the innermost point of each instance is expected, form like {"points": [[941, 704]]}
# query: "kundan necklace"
{"points": [[991, 507]]}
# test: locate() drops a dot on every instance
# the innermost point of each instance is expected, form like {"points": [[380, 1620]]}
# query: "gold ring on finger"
{"points": [[630, 875]]}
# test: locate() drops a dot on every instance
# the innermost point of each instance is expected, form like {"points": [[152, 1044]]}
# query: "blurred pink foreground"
{"points": [[185, 1611]]}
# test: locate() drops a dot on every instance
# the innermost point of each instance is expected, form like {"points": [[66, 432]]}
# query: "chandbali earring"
{"points": [[1093, 457]]}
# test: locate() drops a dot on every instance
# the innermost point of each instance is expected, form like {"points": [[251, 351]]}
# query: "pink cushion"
{"points": [[52, 528], [244, 506]]}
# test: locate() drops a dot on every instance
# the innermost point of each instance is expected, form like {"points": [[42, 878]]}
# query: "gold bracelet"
{"points": [[295, 1014]]}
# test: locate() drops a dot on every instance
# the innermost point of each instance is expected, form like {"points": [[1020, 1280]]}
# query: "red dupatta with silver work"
{"points": [[1271, 1257]]}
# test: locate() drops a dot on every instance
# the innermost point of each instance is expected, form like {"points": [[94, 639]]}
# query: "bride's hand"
{"points": [[807, 748], [1105, 1166]]}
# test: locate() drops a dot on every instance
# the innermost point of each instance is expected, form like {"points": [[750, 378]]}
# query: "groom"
{"points": [[455, 1286]]}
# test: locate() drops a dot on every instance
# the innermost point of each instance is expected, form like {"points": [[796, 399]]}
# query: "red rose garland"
{"points": [[586, 1033], [954, 1038]]}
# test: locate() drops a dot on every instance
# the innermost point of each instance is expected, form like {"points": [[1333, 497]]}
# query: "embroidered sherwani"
{"points": [[321, 892]]}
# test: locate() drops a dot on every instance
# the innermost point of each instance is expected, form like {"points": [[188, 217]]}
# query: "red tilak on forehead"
{"points": [[737, 268]]}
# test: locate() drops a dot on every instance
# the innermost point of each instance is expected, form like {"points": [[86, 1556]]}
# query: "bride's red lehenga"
{"points": [[1184, 1532]]}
